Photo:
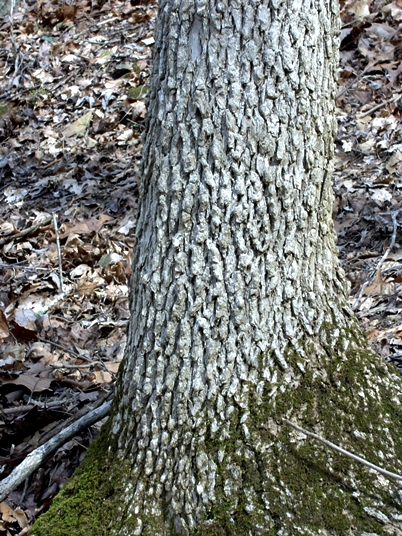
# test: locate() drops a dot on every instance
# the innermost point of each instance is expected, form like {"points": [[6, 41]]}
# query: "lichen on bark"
{"points": [[239, 306]]}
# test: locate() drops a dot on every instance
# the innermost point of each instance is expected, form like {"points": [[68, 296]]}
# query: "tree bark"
{"points": [[239, 306]]}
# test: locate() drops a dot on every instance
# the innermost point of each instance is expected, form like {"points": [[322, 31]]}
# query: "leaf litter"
{"points": [[368, 168], [73, 84]]}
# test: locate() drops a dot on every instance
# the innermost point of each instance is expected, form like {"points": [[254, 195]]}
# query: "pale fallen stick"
{"points": [[358, 78], [345, 452], [19, 266], [382, 260], [378, 106], [25, 232], [77, 356], [39, 455], [102, 22], [56, 230], [28, 407]]}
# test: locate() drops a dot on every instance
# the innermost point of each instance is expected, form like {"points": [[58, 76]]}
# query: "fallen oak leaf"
{"points": [[35, 385], [21, 518], [25, 318], [85, 227], [25, 232], [7, 513], [21, 333], [4, 327], [78, 127]]}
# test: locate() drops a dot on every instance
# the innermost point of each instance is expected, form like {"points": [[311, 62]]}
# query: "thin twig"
{"points": [[345, 452], [378, 106], [26, 268], [77, 356], [63, 82], [359, 297], [393, 239], [93, 363], [56, 230], [382, 260], [25, 232], [35, 404], [102, 22], [25, 490], [357, 79], [39, 455], [12, 33], [61, 347], [58, 426]]}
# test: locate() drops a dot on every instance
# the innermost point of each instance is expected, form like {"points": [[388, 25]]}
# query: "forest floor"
{"points": [[73, 82]]}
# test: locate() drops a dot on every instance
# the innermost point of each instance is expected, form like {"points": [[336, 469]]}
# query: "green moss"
{"points": [[92, 500], [137, 93], [283, 482], [319, 483], [4, 108], [83, 506], [35, 94]]}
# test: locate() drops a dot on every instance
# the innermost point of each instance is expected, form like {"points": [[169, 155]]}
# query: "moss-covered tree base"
{"points": [[269, 479]]}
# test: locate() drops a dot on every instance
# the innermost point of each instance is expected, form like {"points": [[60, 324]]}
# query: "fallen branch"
{"points": [[381, 105], [39, 455], [56, 231], [77, 356], [20, 266], [345, 452], [67, 350], [382, 260], [35, 404], [357, 79], [25, 232]]}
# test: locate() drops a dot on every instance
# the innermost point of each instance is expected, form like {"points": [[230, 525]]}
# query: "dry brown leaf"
{"points": [[42, 351], [85, 227], [86, 288], [361, 8], [78, 127], [6, 228], [25, 318], [381, 30], [15, 351], [34, 441], [101, 376], [373, 334], [113, 367], [35, 385], [394, 9], [4, 328], [82, 270], [7, 513]]}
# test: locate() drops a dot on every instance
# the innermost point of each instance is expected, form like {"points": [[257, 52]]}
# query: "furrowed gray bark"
{"points": [[239, 305]]}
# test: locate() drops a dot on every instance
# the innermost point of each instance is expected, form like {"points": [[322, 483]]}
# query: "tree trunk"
{"points": [[239, 306]]}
